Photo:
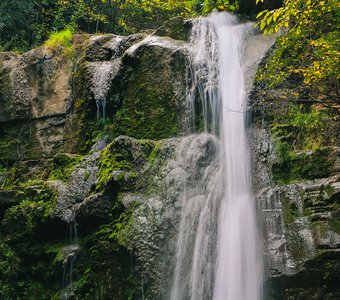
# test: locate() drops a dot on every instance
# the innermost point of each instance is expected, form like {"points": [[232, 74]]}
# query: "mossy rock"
{"points": [[303, 165], [80, 127], [176, 28], [147, 97], [121, 161], [64, 164]]}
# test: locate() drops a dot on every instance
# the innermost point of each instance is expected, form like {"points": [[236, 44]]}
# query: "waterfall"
{"points": [[102, 74], [218, 252]]}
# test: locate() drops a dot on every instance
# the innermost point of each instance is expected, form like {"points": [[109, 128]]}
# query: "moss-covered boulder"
{"points": [[142, 79], [151, 90]]}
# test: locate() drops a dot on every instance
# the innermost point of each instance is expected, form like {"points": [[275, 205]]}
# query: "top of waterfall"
{"points": [[103, 72], [154, 40]]}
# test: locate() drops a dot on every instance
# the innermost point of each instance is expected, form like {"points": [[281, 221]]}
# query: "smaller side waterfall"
{"points": [[71, 197], [69, 253], [103, 72]]}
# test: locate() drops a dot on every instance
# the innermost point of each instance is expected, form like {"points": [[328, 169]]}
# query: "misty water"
{"points": [[218, 252]]}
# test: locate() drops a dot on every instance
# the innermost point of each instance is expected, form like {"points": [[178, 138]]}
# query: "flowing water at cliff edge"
{"points": [[218, 252]]}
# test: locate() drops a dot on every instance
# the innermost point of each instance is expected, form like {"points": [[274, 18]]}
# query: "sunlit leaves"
{"points": [[310, 45]]}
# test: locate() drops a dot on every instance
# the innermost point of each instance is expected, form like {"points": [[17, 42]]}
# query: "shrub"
{"points": [[60, 39]]}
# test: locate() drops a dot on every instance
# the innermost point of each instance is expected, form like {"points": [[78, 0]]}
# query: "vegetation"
{"points": [[63, 165], [308, 51], [26, 24], [300, 80], [61, 41], [302, 129]]}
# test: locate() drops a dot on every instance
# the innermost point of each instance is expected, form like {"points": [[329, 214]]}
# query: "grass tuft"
{"points": [[60, 39]]}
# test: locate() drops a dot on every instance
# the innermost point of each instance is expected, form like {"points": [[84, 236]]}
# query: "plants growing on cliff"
{"points": [[63, 165], [302, 129], [9, 265], [61, 41], [309, 48], [300, 145]]}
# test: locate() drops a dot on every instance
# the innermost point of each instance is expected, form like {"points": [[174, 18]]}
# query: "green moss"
{"points": [[335, 225], [322, 227], [122, 162], [304, 128], [303, 142], [290, 211], [110, 161], [296, 244], [294, 166], [144, 102], [120, 229], [64, 164], [9, 267], [329, 190], [79, 132], [142, 115], [24, 230], [154, 154], [103, 251], [22, 219]]}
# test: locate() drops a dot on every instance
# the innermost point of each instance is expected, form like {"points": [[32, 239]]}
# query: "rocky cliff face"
{"points": [[89, 208], [35, 100], [297, 187], [68, 165]]}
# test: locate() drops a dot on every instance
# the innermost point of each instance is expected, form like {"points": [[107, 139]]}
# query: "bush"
{"points": [[60, 39]]}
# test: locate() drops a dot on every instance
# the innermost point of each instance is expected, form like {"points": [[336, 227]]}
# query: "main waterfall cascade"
{"points": [[218, 253]]}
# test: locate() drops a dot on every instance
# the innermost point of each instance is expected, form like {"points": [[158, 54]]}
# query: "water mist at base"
{"points": [[218, 253]]}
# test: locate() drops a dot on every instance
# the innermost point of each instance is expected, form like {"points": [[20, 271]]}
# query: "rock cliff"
{"points": [[295, 164]]}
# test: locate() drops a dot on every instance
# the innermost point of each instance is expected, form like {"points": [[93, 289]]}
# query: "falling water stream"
{"points": [[218, 249]]}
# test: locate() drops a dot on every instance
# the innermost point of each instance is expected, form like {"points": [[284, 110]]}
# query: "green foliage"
{"points": [[12, 283], [61, 42], [15, 24], [9, 265], [302, 129], [26, 24], [294, 166], [24, 260], [105, 250], [120, 229], [308, 51], [60, 39], [24, 217], [299, 144], [207, 6]]}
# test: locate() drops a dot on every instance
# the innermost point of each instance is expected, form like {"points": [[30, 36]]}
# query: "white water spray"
{"points": [[218, 254]]}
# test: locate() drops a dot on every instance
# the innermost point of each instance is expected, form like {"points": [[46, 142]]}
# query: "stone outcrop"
{"points": [[35, 93], [297, 192], [62, 171]]}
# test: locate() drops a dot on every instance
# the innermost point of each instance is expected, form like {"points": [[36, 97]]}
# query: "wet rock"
{"points": [[176, 28]]}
